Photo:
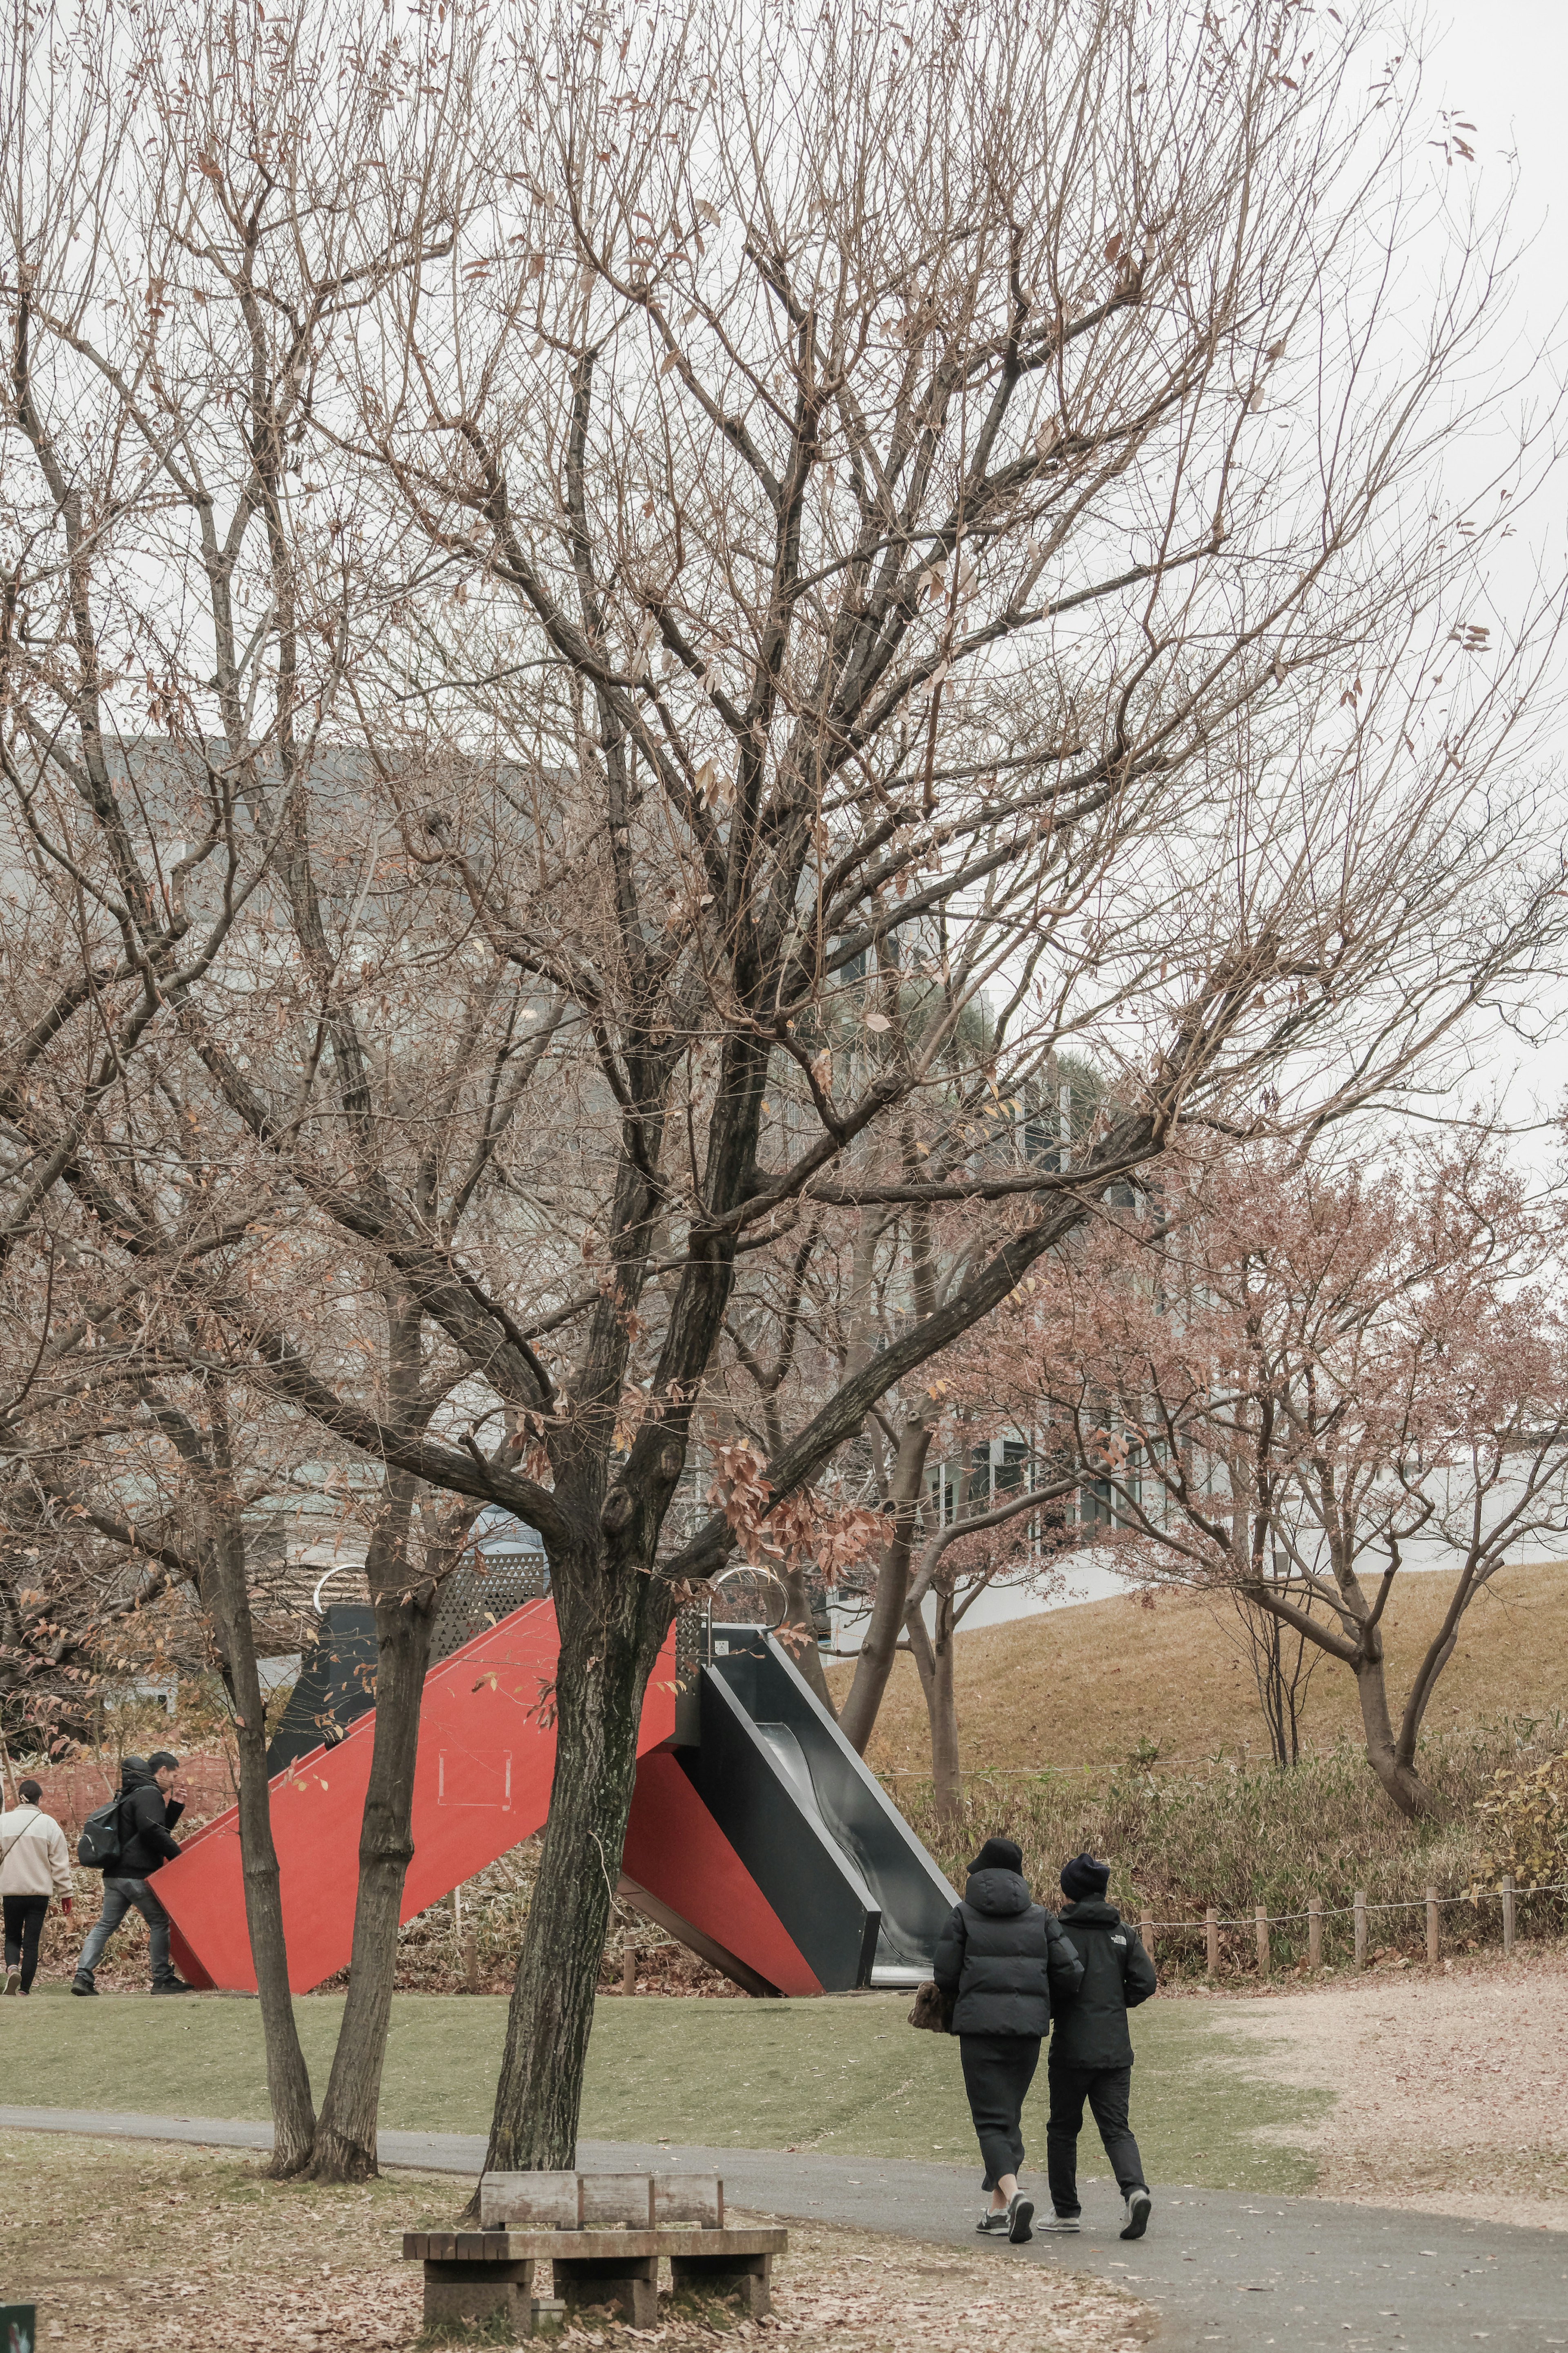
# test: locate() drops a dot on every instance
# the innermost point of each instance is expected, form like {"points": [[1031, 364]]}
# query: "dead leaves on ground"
{"points": [[196, 2250]]}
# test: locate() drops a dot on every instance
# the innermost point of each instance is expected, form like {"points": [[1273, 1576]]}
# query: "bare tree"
{"points": [[628, 634], [957, 1565], [1287, 1376]]}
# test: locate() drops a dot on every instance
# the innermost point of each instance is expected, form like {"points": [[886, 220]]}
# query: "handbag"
{"points": [[933, 2008]]}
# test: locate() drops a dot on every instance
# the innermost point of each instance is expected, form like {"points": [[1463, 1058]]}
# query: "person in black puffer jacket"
{"points": [[1000, 1960], [1091, 2051]]}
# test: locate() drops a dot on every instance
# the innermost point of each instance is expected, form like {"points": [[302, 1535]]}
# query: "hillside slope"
{"points": [[1082, 1686]]}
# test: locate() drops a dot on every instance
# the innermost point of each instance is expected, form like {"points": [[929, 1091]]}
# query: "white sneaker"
{"points": [[13, 1980], [1135, 2214], [1059, 2222]]}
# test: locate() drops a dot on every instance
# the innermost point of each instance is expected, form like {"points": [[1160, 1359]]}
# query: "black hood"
{"points": [[1093, 1910], [135, 1773], [1000, 1893]]}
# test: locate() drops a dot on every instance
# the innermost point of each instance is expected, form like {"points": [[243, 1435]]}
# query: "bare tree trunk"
{"points": [[1398, 1776], [947, 1781], [288, 2077], [601, 1677], [345, 2133], [878, 1652], [934, 1661], [798, 1633]]}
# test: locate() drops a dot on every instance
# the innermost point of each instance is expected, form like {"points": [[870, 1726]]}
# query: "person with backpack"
{"points": [[131, 1836], [1091, 2051], [1001, 1961], [34, 1863]]}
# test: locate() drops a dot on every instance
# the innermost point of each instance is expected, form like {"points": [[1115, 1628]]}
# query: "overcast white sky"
{"points": [[1504, 64]]}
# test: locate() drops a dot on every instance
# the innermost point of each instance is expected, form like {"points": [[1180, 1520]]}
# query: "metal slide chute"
{"points": [[846, 1877]]}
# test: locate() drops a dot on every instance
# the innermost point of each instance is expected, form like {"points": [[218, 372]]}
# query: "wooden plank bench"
{"points": [[609, 2257]]}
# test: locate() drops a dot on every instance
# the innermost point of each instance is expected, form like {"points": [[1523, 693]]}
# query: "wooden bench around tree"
{"points": [[613, 2263]]}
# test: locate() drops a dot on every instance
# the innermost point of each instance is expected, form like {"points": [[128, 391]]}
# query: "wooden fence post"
{"points": [[1315, 1932], [1360, 1927], [1262, 1918], [1508, 1914], [472, 1960], [1146, 1931], [1433, 1925], [1213, 1926], [628, 1968]]}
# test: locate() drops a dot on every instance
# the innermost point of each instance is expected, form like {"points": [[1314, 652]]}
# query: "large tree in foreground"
{"points": [[601, 701]]}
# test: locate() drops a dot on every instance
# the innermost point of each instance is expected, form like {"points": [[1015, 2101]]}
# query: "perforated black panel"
{"points": [[483, 1591]]}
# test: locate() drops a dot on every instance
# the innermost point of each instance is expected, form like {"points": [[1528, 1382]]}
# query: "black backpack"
{"points": [[98, 1849]]}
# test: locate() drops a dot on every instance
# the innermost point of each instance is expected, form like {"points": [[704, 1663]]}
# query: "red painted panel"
{"points": [[481, 1784], [676, 1850]]}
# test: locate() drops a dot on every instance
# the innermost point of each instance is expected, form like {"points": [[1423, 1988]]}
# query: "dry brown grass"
{"points": [[1083, 1686]]}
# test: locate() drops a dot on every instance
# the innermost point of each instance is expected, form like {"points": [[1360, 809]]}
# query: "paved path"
{"points": [[1240, 2273]]}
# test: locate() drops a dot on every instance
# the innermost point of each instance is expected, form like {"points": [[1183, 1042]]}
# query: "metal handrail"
{"points": [[722, 1579]]}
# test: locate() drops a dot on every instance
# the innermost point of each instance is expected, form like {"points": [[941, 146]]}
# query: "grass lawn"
{"points": [[844, 2075]]}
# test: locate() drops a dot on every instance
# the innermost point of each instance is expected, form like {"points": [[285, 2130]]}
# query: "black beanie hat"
{"points": [[1083, 1876], [998, 1855]]}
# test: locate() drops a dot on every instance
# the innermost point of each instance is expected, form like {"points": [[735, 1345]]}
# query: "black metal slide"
{"points": [[845, 1873]]}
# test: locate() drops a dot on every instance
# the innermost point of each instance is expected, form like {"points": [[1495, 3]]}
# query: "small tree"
{"points": [[1324, 1365]]}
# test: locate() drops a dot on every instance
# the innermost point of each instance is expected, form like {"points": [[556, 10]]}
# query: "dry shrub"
{"points": [[1234, 1836], [1525, 1815]]}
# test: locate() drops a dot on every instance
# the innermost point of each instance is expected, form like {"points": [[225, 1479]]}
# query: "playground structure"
{"points": [[757, 1837]]}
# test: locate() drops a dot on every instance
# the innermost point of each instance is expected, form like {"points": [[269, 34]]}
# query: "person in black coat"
{"points": [[1091, 2051], [1000, 1962], [148, 1812]]}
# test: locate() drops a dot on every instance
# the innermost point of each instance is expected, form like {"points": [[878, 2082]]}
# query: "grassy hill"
{"points": [[1083, 1686], [1052, 1705]]}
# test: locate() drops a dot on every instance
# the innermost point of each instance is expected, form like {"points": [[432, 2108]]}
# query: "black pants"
{"points": [[24, 1919], [1106, 2089], [998, 2069]]}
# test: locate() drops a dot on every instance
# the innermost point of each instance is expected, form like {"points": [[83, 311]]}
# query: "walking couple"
{"points": [[1010, 1970]]}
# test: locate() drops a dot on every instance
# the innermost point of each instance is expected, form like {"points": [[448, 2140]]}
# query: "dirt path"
{"points": [[1451, 2087]]}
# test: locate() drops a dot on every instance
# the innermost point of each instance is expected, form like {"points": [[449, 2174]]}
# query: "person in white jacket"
{"points": [[34, 1863]]}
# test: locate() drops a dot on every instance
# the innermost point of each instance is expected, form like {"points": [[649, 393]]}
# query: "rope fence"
{"points": [[1359, 1911]]}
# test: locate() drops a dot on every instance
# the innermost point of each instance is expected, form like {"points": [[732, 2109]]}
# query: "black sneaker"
{"points": [[81, 1984], [1020, 2214], [993, 2223], [1137, 2215], [173, 1985]]}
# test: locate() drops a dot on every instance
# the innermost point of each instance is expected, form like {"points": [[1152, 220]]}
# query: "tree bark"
{"points": [[934, 1661], [947, 1781], [1399, 1779], [288, 2076], [345, 2133], [875, 1662], [600, 1676]]}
